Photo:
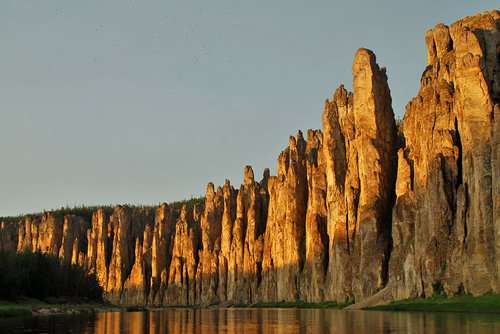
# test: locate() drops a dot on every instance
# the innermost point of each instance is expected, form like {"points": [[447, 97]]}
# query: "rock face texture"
{"points": [[284, 238], [182, 289], [359, 146], [360, 207], [446, 227], [8, 236], [161, 256]]}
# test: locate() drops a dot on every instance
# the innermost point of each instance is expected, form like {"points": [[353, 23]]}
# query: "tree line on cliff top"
{"points": [[86, 212]]}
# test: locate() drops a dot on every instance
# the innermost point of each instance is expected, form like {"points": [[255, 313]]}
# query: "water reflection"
{"points": [[248, 321]]}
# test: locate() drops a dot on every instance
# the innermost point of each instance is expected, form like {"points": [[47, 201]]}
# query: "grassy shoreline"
{"points": [[466, 303], [39, 308], [296, 304], [28, 308]]}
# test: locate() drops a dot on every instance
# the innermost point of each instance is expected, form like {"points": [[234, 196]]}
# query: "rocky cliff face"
{"points": [[360, 141], [446, 226], [355, 208]]}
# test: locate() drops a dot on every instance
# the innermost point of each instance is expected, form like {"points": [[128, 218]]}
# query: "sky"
{"points": [[141, 102]]}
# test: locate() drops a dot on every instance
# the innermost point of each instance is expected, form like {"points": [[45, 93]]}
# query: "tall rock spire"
{"points": [[359, 148]]}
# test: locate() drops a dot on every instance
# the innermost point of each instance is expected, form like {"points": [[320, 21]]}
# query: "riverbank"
{"points": [[296, 304], [465, 303], [34, 307]]}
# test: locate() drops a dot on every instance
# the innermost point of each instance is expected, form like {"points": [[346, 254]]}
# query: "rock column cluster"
{"points": [[446, 221], [358, 207]]}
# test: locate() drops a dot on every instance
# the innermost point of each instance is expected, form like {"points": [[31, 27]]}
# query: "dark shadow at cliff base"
{"points": [[43, 276]]}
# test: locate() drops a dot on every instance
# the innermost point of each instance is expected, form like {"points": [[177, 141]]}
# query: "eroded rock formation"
{"points": [[355, 208], [446, 225]]}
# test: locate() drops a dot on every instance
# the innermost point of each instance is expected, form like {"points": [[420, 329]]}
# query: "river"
{"points": [[249, 321]]}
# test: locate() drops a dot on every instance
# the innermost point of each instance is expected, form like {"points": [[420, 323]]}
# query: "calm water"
{"points": [[248, 321]]}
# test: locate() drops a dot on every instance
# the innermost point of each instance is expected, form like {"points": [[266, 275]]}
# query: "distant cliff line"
{"points": [[86, 211], [356, 210]]}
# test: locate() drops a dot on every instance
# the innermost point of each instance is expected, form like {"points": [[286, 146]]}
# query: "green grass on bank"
{"points": [[14, 310], [466, 303], [27, 307], [296, 304]]}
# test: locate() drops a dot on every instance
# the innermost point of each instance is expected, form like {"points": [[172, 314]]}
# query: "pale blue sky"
{"points": [[146, 101]]}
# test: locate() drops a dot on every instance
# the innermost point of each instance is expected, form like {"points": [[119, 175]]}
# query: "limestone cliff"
{"points": [[358, 207], [446, 225], [359, 147]]}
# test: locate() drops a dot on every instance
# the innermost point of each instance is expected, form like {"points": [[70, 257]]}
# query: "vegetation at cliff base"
{"points": [[14, 310], [466, 303], [43, 276], [295, 304]]}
